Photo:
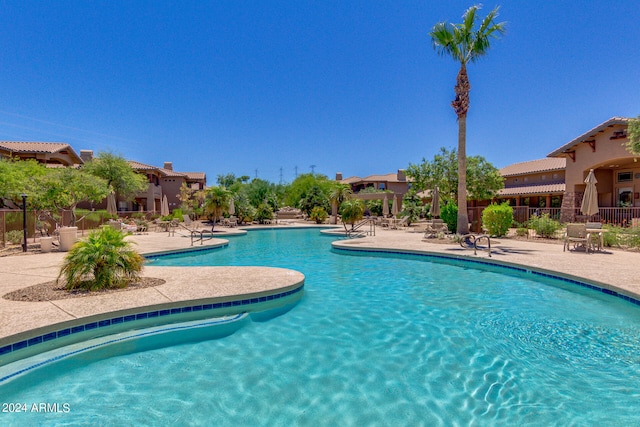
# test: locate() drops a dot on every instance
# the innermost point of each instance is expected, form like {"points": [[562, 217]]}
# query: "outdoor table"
{"points": [[600, 232]]}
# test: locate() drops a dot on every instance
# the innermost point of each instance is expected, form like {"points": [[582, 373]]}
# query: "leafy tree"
{"points": [[483, 179], [104, 260], [244, 210], [64, 188], [633, 130], [302, 185], [464, 43], [17, 177], [260, 191], [120, 176], [352, 211], [315, 197], [230, 180]]}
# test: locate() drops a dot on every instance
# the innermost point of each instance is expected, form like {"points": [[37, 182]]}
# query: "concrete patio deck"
{"points": [[612, 269]]}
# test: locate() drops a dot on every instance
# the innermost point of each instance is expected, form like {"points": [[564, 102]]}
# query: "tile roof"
{"points": [[166, 172], [40, 148], [195, 175], [35, 147], [389, 177], [534, 166], [555, 188], [589, 134]]}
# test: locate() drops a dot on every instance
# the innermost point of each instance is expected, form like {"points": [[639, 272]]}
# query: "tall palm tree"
{"points": [[465, 44]]}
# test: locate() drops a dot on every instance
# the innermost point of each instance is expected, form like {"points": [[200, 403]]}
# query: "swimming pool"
{"points": [[378, 339]]}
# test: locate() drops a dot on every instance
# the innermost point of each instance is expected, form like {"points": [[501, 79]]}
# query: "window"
{"points": [[625, 176]]}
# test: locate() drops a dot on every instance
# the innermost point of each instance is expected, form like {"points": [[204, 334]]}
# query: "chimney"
{"points": [[401, 175], [86, 155], [168, 166], [338, 176]]}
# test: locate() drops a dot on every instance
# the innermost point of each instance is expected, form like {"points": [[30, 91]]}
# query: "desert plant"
{"points": [[497, 219], [449, 214], [411, 209], [318, 214], [14, 236], [522, 231], [352, 211], [104, 260], [264, 212], [544, 226]]}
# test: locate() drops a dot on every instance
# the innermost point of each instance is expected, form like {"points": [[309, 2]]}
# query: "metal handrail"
{"points": [[357, 227], [470, 241]]}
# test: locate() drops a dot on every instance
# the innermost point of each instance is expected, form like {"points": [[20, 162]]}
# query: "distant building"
{"points": [[536, 183], [48, 153], [396, 182], [162, 180], [616, 169]]}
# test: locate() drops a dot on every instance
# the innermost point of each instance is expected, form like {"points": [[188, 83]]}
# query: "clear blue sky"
{"points": [[350, 86]]}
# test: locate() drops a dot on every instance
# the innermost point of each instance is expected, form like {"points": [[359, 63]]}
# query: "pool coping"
{"points": [[211, 292]]}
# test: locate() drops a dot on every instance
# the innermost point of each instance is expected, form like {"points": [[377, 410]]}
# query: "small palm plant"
{"points": [[352, 211], [104, 260]]}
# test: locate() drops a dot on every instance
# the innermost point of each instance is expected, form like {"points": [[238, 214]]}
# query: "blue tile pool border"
{"points": [[140, 334], [516, 268], [65, 332]]}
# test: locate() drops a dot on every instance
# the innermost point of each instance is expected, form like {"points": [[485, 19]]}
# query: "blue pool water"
{"points": [[378, 339]]}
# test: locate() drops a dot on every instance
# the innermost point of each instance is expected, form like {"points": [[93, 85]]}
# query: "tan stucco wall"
{"points": [[547, 177], [608, 151], [171, 187]]}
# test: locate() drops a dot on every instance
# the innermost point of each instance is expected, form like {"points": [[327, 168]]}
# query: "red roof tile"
{"points": [[534, 166]]}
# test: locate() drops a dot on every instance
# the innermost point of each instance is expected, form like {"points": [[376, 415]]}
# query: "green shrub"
{"points": [[264, 212], [544, 226], [14, 236], [497, 219], [522, 231], [104, 260], [177, 214], [449, 214], [627, 238], [411, 210], [318, 214]]}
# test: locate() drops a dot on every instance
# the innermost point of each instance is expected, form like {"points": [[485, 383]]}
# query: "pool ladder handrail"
{"points": [[470, 240], [357, 230]]}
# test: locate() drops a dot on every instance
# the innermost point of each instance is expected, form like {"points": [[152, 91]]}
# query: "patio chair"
{"points": [[577, 234], [194, 226], [596, 235]]}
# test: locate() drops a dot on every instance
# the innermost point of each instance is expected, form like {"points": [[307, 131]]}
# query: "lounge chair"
{"points": [[196, 226], [434, 227], [577, 234]]}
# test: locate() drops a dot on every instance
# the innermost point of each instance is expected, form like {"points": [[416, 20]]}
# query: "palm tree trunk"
{"points": [[461, 106], [463, 217]]}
